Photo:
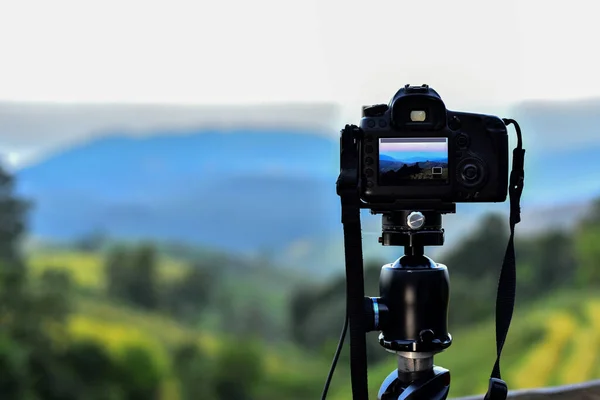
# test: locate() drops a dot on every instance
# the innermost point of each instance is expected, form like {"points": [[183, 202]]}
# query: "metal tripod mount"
{"points": [[412, 310]]}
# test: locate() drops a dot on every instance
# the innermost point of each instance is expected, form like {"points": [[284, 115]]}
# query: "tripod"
{"points": [[412, 310]]}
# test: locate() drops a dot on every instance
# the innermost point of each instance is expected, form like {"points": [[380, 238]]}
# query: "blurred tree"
{"points": [[13, 273], [118, 272], [48, 305], [132, 275], [14, 379], [138, 375], [238, 370], [254, 322], [480, 254], [188, 297], [81, 371], [51, 295], [555, 261], [545, 262], [84, 370], [194, 371], [474, 267], [301, 306], [587, 248], [52, 290], [142, 285], [32, 312], [12, 219], [93, 373]]}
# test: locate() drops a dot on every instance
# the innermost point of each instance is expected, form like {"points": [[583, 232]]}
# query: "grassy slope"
{"points": [[552, 342], [116, 325], [86, 269]]}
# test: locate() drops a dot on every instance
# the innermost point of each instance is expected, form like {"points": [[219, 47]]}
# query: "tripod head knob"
{"points": [[415, 220]]}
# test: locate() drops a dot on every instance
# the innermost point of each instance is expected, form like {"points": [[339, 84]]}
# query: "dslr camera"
{"points": [[415, 149]]}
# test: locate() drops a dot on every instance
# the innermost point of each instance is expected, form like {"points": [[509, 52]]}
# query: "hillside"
{"points": [[116, 327], [551, 342], [244, 283], [86, 269], [120, 327]]}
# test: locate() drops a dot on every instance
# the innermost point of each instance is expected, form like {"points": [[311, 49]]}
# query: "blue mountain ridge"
{"points": [[421, 159], [241, 189]]}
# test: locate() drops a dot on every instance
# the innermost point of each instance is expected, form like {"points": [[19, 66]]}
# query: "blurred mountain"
{"points": [[269, 190], [386, 165], [241, 189]]}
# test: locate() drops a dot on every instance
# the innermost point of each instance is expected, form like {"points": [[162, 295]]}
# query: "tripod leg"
{"points": [[433, 387], [388, 390]]}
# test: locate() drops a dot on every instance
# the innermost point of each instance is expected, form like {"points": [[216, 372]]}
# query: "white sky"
{"points": [[477, 54], [223, 51]]}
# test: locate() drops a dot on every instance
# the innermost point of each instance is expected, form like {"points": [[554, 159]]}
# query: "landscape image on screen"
{"points": [[412, 160]]}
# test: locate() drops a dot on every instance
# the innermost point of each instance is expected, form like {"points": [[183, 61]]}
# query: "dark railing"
{"points": [[582, 391]]}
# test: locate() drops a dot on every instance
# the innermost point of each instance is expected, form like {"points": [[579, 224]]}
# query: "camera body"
{"points": [[415, 149]]}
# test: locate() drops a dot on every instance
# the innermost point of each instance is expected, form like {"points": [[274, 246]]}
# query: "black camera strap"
{"points": [[347, 189], [507, 283]]}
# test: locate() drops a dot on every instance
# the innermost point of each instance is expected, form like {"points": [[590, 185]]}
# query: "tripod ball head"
{"points": [[412, 315], [412, 310]]}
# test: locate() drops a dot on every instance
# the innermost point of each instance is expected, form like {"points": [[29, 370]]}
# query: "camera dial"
{"points": [[470, 172]]}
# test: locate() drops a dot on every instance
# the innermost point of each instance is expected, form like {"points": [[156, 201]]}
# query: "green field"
{"points": [[552, 342], [550, 345], [116, 327], [86, 268]]}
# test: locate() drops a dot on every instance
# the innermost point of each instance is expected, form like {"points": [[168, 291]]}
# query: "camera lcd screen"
{"points": [[413, 161]]}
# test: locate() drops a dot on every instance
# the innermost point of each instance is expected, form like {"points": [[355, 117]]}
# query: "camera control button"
{"points": [[462, 141], [471, 172], [371, 123], [370, 184], [382, 123], [369, 172], [454, 123], [369, 161], [369, 149]]}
